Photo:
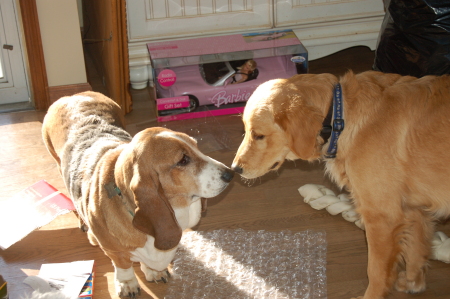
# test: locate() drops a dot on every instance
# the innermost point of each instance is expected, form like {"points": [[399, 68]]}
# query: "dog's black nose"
{"points": [[227, 175], [237, 169]]}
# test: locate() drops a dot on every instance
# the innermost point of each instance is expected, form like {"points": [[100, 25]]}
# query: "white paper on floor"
{"points": [[250, 264]]}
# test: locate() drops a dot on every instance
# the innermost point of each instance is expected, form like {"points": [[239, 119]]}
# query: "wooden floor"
{"points": [[271, 203]]}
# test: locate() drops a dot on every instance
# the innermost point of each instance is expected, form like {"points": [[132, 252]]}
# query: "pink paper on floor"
{"points": [[30, 209]]}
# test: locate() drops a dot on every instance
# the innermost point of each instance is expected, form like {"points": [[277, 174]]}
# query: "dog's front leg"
{"points": [[154, 262], [126, 282], [152, 275], [124, 277]]}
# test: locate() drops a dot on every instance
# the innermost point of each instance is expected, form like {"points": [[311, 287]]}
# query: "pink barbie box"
{"points": [[216, 75]]}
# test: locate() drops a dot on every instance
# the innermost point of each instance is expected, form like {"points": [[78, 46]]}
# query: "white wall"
{"points": [[61, 42]]}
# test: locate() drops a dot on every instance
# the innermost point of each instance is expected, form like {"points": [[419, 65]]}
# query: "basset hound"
{"points": [[135, 195]]}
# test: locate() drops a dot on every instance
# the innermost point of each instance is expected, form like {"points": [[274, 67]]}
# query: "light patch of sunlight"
{"points": [[30, 272], [236, 263], [33, 213], [239, 275]]}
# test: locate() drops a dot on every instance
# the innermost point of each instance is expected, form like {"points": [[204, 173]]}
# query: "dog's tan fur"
{"points": [[392, 157], [160, 174]]}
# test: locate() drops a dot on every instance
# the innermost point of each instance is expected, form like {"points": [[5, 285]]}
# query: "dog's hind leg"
{"points": [[383, 220], [83, 226], [416, 244]]}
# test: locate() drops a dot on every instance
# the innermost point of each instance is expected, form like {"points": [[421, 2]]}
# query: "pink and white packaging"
{"points": [[172, 103], [171, 58]]}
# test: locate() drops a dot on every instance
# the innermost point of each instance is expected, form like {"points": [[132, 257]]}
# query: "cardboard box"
{"points": [[87, 292], [200, 77]]}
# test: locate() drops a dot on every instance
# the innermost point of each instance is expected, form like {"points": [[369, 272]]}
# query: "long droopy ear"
{"points": [[309, 97], [154, 214], [302, 127]]}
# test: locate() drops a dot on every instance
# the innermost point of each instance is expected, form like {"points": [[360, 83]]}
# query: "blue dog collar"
{"points": [[337, 122]]}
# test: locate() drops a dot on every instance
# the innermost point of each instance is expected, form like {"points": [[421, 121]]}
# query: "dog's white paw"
{"points": [[126, 283], [156, 276]]}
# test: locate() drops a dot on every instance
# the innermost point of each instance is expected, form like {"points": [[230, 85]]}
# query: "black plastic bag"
{"points": [[415, 38]]}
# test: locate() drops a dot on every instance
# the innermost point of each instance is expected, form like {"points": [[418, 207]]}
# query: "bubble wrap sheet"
{"points": [[237, 264]]}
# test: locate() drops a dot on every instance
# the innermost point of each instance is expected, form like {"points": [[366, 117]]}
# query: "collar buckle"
{"points": [[338, 125]]}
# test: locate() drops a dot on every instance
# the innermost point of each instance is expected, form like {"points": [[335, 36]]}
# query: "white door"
{"points": [[13, 81]]}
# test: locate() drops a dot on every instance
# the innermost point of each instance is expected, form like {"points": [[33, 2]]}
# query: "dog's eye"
{"points": [[257, 136], [184, 161]]}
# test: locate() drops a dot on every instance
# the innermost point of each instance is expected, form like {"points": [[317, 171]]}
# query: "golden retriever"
{"points": [[392, 156], [135, 195]]}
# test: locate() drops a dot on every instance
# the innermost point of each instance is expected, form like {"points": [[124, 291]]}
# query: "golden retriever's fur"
{"points": [[392, 156]]}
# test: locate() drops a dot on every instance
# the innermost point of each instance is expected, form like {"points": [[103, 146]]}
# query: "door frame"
{"points": [[117, 65], [39, 88]]}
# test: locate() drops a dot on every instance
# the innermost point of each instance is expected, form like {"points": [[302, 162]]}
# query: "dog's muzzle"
{"points": [[227, 175], [237, 168]]}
